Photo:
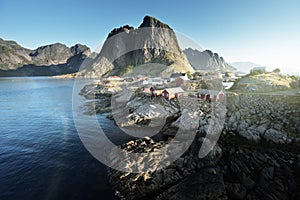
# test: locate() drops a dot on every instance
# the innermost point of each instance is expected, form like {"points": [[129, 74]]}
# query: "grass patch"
{"points": [[125, 70]]}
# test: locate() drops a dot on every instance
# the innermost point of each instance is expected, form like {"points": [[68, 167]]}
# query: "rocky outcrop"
{"points": [[121, 29], [274, 119], [207, 60], [257, 156], [228, 172], [264, 82], [53, 59], [152, 50], [152, 22], [99, 97]]}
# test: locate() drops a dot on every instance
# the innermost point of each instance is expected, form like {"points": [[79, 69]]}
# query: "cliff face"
{"points": [[207, 60], [152, 49], [51, 59]]}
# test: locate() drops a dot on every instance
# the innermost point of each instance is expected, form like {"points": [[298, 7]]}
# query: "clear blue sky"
{"points": [[262, 31]]}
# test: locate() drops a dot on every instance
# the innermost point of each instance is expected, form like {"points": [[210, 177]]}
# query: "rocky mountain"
{"points": [[207, 60], [245, 66], [12, 55], [151, 49], [53, 59]]}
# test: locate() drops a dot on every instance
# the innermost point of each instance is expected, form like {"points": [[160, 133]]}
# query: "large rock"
{"points": [[276, 137]]}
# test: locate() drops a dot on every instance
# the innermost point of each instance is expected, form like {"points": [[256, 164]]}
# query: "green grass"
{"points": [[125, 70]]}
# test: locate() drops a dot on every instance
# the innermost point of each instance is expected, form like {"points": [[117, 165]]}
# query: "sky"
{"points": [[266, 32]]}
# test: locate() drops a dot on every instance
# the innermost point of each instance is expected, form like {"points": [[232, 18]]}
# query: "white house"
{"points": [[153, 81]]}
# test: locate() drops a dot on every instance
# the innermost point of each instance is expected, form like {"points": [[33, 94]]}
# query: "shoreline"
{"points": [[251, 140]]}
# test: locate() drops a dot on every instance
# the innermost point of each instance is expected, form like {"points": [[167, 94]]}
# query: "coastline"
{"points": [[260, 133]]}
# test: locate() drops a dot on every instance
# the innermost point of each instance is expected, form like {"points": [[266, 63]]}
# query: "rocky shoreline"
{"points": [[271, 118], [256, 157], [230, 171]]}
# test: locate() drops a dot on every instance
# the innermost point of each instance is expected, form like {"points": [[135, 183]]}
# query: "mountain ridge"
{"points": [[52, 59], [207, 60], [151, 49]]}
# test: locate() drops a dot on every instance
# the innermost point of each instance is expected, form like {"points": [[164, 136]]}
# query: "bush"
{"points": [[277, 70], [189, 75], [256, 72], [125, 70]]}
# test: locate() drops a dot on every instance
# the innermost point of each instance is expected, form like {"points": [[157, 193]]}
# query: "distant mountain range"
{"points": [[151, 49], [49, 60], [245, 66], [207, 60]]}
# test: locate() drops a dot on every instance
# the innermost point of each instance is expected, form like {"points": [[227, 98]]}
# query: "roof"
{"points": [[211, 92], [184, 78], [114, 78], [175, 75], [203, 91], [158, 87], [214, 92], [174, 90]]}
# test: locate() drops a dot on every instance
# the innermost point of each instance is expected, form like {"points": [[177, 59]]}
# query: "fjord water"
{"points": [[41, 155]]}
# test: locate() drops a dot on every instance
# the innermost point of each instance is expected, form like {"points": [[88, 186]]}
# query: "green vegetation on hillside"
{"points": [[5, 49], [123, 71]]}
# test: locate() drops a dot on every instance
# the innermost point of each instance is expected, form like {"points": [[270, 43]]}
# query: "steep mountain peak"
{"points": [[125, 28], [210, 53], [149, 21], [140, 51], [79, 48]]}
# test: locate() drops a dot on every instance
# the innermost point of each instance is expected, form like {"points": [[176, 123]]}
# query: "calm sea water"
{"points": [[41, 155]]}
